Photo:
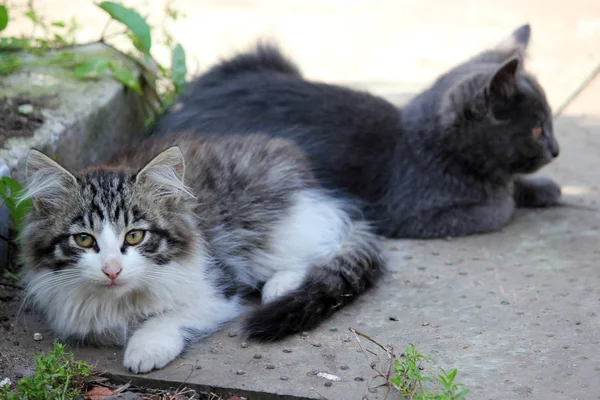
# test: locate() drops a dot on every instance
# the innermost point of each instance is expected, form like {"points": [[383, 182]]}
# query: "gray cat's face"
{"points": [[494, 114], [111, 230]]}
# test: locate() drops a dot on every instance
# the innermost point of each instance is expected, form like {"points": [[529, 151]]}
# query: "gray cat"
{"points": [[450, 163], [156, 253]]}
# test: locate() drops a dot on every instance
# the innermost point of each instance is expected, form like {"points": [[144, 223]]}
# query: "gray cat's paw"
{"points": [[536, 192], [148, 350]]}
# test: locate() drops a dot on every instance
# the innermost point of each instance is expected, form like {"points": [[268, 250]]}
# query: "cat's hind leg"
{"points": [[281, 283]]}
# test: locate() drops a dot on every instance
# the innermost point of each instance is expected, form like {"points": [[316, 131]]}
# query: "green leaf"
{"points": [[178, 69], [126, 77], [32, 16], [132, 20], [10, 190], [91, 68], [58, 24], [461, 395], [3, 17]]}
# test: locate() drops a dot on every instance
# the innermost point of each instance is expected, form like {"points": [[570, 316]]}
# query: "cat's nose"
{"points": [[112, 269]]}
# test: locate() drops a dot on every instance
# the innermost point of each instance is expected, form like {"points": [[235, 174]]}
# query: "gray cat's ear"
{"points": [[503, 82], [514, 45], [517, 41], [47, 181], [164, 174]]}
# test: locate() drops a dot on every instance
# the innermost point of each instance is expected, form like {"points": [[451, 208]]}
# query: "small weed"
{"points": [[57, 377], [10, 189], [404, 374], [410, 382]]}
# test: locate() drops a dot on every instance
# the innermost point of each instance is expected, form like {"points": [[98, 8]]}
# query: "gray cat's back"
{"points": [[447, 164]]}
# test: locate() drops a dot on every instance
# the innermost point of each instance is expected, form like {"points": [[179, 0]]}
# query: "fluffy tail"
{"points": [[326, 289], [264, 57]]}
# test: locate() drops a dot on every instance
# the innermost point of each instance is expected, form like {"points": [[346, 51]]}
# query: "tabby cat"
{"points": [[450, 163], [154, 254]]}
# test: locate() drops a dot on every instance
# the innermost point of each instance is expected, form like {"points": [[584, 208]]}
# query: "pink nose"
{"points": [[112, 270]]}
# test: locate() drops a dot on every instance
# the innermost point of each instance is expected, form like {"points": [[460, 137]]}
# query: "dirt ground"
{"points": [[17, 347], [14, 123]]}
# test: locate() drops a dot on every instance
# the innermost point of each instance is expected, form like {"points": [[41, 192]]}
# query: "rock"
{"points": [[258, 356], [38, 337], [240, 372], [25, 109], [84, 121], [286, 350], [4, 382], [270, 366]]}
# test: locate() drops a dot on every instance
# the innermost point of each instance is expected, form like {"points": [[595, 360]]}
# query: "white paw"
{"points": [[146, 351], [281, 283]]}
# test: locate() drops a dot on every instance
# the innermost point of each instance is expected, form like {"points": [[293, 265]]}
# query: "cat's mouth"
{"points": [[114, 284]]}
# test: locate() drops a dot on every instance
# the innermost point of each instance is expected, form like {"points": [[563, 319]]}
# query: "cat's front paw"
{"points": [[146, 351], [536, 192]]}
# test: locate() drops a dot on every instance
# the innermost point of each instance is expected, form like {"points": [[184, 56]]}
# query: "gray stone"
{"points": [[25, 109], [85, 121]]}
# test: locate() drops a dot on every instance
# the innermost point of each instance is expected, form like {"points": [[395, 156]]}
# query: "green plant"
{"points": [[57, 377], [10, 190], [157, 84], [410, 382], [404, 374]]}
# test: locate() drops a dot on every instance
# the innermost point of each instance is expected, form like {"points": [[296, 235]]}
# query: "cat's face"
{"points": [[493, 113], [110, 230]]}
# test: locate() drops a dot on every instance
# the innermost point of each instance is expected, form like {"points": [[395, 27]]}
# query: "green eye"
{"points": [[84, 240], [134, 237]]}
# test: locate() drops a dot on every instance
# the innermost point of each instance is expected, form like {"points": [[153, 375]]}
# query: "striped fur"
{"points": [[221, 217]]}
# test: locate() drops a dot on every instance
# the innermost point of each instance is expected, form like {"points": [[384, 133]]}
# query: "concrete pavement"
{"points": [[515, 311]]}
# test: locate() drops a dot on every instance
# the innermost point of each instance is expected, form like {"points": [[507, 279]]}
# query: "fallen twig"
{"points": [[390, 355]]}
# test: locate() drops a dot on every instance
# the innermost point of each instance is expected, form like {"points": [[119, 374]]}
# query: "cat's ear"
{"points": [[516, 43], [47, 182], [503, 82], [164, 174]]}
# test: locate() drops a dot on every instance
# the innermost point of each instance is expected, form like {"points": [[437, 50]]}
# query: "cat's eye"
{"points": [[84, 240], [537, 132], [134, 237]]}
